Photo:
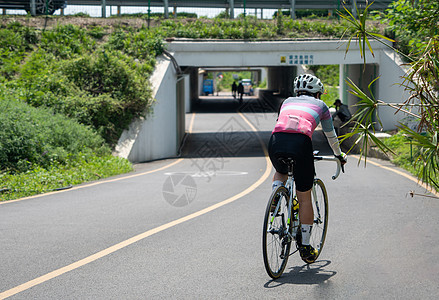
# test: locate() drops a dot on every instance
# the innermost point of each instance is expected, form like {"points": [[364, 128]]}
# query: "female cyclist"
{"points": [[291, 137]]}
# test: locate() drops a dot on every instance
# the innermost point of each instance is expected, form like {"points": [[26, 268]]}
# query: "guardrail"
{"points": [[37, 7]]}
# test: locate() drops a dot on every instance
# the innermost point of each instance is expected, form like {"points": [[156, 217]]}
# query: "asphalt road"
{"points": [[190, 227]]}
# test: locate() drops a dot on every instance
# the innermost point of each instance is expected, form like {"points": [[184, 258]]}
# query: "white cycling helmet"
{"points": [[308, 83]]}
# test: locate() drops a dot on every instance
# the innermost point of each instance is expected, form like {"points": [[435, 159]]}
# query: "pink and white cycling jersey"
{"points": [[302, 115]]}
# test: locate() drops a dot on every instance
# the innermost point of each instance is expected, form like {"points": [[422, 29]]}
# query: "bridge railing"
{"points": [[171, 8]]}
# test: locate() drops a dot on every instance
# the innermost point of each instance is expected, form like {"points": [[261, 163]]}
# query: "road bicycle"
{"points": [[281, 221]]}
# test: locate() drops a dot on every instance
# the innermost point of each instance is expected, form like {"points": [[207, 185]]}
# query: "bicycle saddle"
{"points": [[286, 160]]}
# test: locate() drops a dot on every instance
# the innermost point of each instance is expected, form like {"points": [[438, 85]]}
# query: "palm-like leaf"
{"points": [[364, 121], [422, 82], [360, 31]]}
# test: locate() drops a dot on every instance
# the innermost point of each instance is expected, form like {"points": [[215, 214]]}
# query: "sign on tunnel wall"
{"points": [[297, 59]]}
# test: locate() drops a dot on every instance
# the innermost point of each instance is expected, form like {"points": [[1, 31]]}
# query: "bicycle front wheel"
{"points": [[320, 207], [276, 235]]}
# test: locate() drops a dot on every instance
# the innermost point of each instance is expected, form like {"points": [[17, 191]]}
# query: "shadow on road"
{"points": [[306, 274], [233, 138], [212, 104], [225, 144]]}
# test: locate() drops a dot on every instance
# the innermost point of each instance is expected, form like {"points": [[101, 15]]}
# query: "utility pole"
{"points": [[244, 8], [293, 9], [232, 8], [166, 9], [104, 8], [149, 12], [33, 10]]}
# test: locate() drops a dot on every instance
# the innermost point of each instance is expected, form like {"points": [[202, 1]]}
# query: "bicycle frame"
{"points": [[289, 185], [282, 222]]}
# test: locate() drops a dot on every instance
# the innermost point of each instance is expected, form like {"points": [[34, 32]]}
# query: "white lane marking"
{"points": [[208, 173]]}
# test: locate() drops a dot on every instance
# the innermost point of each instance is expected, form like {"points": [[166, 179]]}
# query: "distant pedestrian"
{"points": [[341, 116], [234, 89], [341, 111], [240, 91]]}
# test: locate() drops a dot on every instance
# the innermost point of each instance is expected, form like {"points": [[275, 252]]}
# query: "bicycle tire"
{"points": [[320, 207], [276, 244]]}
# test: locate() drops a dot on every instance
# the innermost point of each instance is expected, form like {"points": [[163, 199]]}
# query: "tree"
{"points": [[414, 24]]}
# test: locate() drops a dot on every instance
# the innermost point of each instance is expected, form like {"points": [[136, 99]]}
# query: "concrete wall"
{"points": [[361, 76], [187, 93], [281, 80], [389, 88], [157, 135], [215, 54]]}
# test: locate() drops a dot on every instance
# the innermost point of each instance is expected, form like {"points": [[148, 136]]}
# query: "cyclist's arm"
{"points": [[328, 129], [333, 142]]}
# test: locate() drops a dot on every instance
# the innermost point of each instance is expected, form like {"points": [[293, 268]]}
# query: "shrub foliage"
{"points": [[38, 137]]}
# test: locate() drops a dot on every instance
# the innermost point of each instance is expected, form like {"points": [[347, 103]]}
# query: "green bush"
{"points": [[81, 15], [411, 24], [113, 92], [143, 44], [15, 41], [405, 155], [41, 82], [105, 90], [97, 32], [328, 74], [37, 137], [66, 41]]}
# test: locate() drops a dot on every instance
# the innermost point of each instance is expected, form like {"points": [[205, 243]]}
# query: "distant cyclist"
{"points": [[291, 137]]}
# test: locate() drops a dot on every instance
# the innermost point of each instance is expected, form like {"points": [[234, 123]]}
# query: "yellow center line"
{"points": [[191, 124], [408, 176], [130, 241]]}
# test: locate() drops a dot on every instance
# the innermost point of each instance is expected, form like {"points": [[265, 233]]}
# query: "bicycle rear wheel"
{"points": [[276, 241], [320, 207]]}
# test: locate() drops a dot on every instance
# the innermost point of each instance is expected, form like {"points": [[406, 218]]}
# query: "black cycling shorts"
{"points": [[299, 147]]}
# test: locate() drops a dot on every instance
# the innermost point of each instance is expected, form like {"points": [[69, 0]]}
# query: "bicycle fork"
{"points": [[314, 197]]}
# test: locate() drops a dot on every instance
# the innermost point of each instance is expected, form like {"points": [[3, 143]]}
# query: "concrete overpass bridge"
{"points": [[176, 82]]}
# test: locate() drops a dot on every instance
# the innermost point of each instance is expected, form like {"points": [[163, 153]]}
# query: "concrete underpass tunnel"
{"points": [[176, 83], [280, 82]]}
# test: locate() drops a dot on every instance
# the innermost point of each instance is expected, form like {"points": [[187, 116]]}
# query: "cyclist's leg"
{"points": [[306, 215], [305, 207], [275, 148], [279, 178], [304, 177]]}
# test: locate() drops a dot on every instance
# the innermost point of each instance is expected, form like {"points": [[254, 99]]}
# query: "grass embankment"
{"points": [[41, 151], [405, 154], [66, 94], [68, 91]]}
